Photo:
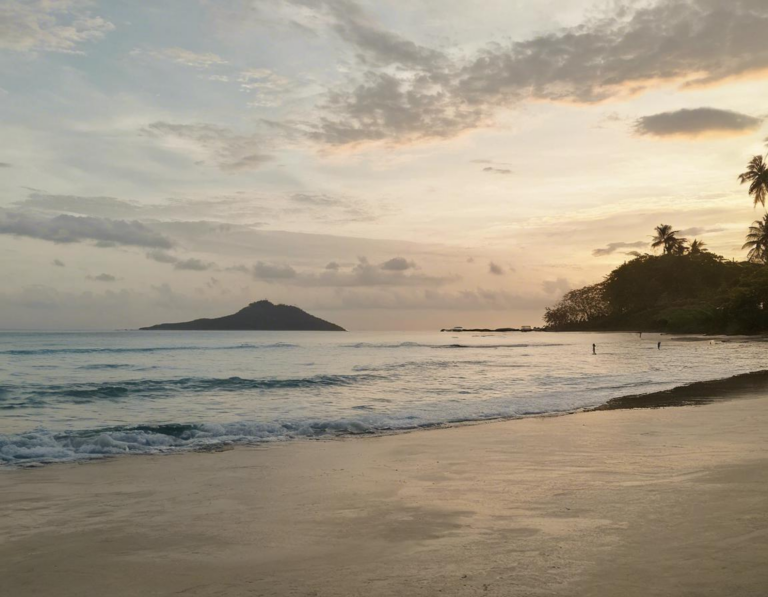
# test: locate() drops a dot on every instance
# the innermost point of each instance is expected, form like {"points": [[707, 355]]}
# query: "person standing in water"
{"points": [[658, 346], [594, 349]]}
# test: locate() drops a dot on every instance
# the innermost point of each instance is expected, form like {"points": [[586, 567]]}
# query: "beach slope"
{"points": [[647, 503]]}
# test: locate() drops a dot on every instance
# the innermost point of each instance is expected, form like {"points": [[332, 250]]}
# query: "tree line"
{"points": [[684, 289]]}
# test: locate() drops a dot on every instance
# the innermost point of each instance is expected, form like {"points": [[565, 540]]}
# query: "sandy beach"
{"points": [[643, 502]]}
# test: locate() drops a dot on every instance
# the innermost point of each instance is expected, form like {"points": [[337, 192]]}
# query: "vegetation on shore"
{"points": [[685, 289]]}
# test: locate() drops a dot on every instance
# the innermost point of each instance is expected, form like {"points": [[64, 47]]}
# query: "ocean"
{"points": [[84, 395]]}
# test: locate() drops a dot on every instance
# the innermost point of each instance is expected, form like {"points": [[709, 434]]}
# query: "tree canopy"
{"points": [[695, 292]]}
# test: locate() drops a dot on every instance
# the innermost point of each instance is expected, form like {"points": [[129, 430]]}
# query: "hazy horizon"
{"points": [[379, 165]]}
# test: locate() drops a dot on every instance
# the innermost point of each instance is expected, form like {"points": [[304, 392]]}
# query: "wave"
{"points": [[419, 345], [425, 365], [43, 446], [277, 345], [496, 346], [50, 351], [36, 396], [387, 345]]}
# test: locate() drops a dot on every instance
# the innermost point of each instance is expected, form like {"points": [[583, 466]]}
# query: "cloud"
{"points": [[376, 45], [277, 246], [697, 230], [231, 152], [189, 58], [270, 88], [43, 307], [49, 26], [92, 206], [431, 299], [319, 200], [162, 257], [58, 263], [373, 45], [190, 264], [394, 109], [495, 269], [320, 206], [630, 51], [271, 272], [237, 207], [696, 123], [389, 273], [615, 56], [559, 286], [261, 79], [5, 165], [613, 247], [72, 229], [397, 264], [103, 278], [492, 170]]}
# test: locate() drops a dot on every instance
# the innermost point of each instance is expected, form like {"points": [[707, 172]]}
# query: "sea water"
{"points": [[71, 396]]}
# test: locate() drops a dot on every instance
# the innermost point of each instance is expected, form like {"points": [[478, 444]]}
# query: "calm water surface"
{"points": [[67, 396]]}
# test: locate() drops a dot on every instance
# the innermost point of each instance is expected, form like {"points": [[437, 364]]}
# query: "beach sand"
{"points": [[656, 502]]}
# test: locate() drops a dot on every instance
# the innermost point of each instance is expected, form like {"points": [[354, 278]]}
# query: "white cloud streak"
{"points": [[49, 26], [73, 229]]}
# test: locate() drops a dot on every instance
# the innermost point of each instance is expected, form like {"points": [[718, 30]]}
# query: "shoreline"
{"points": [[599, 503], [692, 394]]}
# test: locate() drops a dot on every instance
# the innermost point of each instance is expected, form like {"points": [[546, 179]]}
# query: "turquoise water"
{"points": [[67, 396]]}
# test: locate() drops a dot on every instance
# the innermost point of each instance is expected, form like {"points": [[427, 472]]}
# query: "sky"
{"points": [[385, 165]]}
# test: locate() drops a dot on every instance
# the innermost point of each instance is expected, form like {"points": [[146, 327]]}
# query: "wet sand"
{"points": [[702, 392], [653, 502]]}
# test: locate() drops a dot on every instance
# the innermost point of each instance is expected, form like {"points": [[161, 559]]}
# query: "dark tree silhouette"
{"points": [[757, 177], [697, 247], [757, 241], [667, 238]]}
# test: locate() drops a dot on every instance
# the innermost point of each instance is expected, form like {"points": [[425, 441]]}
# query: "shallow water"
{"points": [[66, 396]]}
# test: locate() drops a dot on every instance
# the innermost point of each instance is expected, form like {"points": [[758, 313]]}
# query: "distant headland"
{"points": [[258, 316], [686, 290]]}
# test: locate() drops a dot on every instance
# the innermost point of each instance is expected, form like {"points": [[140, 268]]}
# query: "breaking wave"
{"points": [[44, 447]]}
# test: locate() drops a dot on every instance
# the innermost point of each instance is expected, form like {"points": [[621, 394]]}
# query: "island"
{"points": [[259, 316]]}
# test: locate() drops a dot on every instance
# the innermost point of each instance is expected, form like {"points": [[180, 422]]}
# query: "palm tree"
{"points": [[757, 176], [757, 241], [680, 247], [667, 238], [697, 247]]}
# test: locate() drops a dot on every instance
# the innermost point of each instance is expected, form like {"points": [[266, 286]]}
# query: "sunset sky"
{"points": [[384, 165]]}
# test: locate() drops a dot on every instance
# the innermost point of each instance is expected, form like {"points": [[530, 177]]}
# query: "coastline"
{"points": [[650, 501]]}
